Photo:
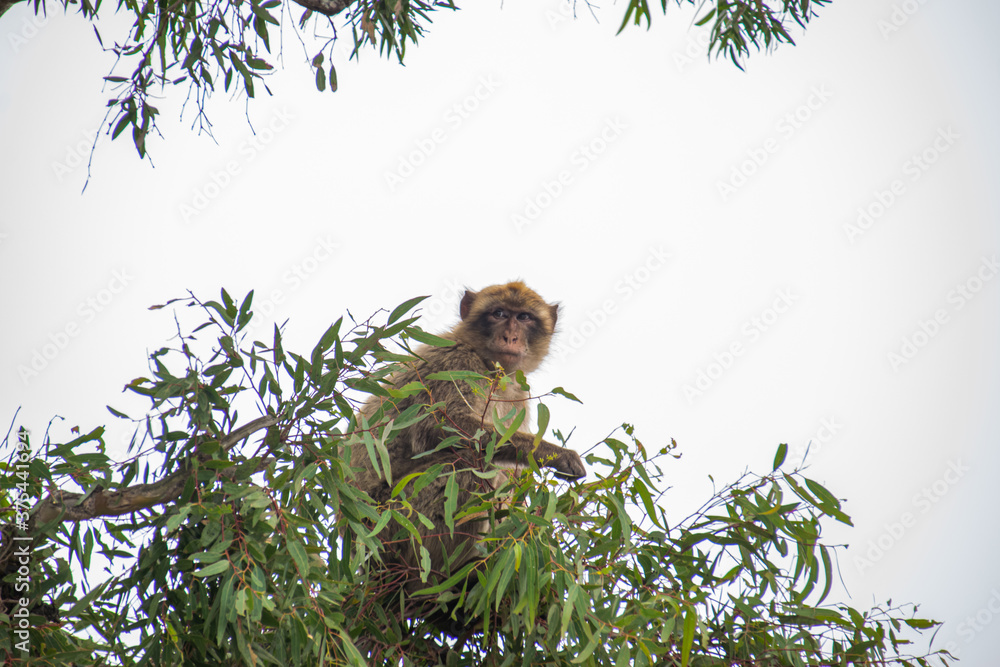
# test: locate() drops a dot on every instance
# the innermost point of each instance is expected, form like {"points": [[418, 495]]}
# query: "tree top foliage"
{"points": [[230, 534], [203, 44]]}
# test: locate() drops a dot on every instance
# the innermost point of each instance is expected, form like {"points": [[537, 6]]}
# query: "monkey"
{"points": [[503, 329]]}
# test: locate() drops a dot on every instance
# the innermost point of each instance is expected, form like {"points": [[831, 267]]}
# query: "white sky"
{"points": [[835, 123]]}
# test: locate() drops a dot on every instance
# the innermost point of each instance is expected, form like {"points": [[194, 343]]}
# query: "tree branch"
{"points": [[66, 506]]}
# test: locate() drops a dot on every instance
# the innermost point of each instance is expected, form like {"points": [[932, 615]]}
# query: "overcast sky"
{"points": [[805, 251]]}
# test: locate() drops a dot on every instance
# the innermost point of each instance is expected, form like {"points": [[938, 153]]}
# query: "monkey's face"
{"points": [[508, 324], [509, 333]]}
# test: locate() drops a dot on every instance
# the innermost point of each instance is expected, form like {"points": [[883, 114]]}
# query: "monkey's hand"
{"points": [[567, 464]]}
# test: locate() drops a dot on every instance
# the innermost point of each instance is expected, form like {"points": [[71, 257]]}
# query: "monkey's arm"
{"points": [[566, 462], [467, 412]]}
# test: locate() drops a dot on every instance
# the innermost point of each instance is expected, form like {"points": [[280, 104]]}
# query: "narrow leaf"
{"points": [[779, 456], [215, 568]]}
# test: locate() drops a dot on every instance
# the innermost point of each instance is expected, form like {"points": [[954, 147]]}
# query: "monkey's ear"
{"points": [[466, 306], [554, 311]]}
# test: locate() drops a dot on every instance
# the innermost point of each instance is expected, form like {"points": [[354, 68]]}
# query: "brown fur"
{"points": [[506, 324]]}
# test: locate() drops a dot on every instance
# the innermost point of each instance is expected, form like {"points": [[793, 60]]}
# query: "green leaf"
{"points": [[563, 392], [175, 520], [647, 501], [509, 567], [799, 491], [401, 484], [567, 610], [298, 553], [454, 376], [827, 573], [690, 625], [425, 563], [383, 451], [449, 582], [116, 413], [450, 502], [543, 424], [587, 650], [512, 429], [369, 442], [636, 10], [241, 645], [706, 18], [820, 492], [403, 309], [406, 523], [243, 317], [779, 456], [215, 568], [226, 602], [550, 505], [422, 336], [121, 125], [382, 522]]}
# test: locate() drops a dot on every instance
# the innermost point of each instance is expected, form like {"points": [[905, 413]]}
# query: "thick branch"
{"points": [[327, 7], [77, 507]]}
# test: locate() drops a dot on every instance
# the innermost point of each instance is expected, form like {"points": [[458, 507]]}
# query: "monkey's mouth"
{"points": [[508, 358]]}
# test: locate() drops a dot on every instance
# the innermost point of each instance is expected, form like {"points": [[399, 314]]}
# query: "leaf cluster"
{"points": [[268, 554], [736, 25], [204, 44]]}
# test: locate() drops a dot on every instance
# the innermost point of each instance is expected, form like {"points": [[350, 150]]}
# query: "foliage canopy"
{"points": [[237, 541], [202, 44]]}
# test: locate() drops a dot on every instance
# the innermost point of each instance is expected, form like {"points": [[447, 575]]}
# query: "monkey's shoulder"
{"points": [[430, 360]]}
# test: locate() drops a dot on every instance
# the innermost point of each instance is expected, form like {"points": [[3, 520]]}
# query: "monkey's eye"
{"points": [[524, 317], [499, 313]]}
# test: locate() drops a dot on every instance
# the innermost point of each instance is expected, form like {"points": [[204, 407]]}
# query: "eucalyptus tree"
{"points": [[229, 532]]}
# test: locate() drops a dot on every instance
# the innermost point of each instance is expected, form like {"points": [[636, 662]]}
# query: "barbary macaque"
{"points": [[509, 326]]}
